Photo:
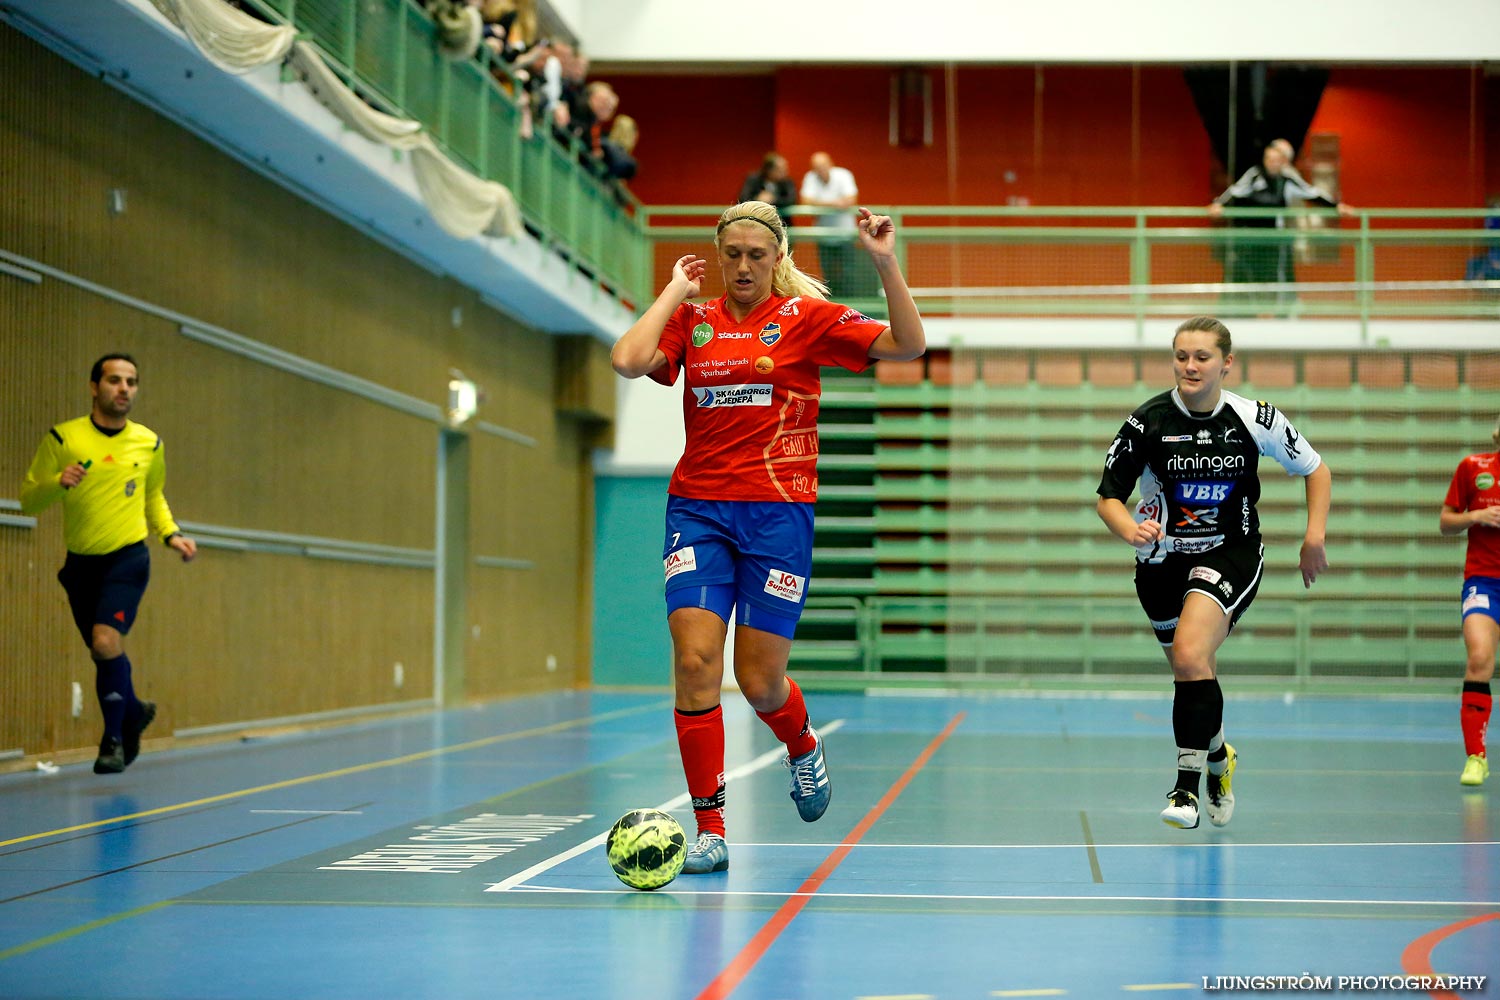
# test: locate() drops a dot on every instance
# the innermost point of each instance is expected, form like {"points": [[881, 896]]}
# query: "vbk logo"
{"points": [[769, 334], [1215, 493]]}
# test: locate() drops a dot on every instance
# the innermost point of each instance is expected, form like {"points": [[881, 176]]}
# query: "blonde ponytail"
{"points": [[787, 279]]}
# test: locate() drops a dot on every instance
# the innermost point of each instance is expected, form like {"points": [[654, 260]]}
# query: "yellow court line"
{"points": [[1152, 987], [342, 772], [22, 949]]}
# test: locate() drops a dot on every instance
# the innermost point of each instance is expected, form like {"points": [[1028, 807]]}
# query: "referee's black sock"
{"points": [[1197, 716], [116, 694]]}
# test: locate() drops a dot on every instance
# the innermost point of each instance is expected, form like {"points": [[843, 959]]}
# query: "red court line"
{"points": [[738, 968], [1416, 960]]}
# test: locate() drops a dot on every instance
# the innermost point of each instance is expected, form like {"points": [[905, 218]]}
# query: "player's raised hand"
{"points": [[877, 233], [688, 273]]}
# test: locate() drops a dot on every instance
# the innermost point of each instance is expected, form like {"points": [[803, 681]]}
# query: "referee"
{"points": [[108, 472]]}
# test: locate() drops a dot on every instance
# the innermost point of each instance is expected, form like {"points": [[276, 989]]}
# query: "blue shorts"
{"points": [[1481, 596], [107, 589], [750, 558]]}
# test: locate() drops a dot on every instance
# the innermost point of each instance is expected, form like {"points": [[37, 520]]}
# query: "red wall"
{"points": [[1101, 135]]}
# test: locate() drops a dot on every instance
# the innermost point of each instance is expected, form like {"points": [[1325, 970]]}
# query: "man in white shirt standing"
{"points": [[828, 186]]}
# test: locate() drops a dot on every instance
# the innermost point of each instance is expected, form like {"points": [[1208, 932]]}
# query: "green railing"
{"points": [[387, 51], [1145, 263]]}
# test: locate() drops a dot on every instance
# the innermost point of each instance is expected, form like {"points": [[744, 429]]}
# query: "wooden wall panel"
{"points": [[242, 636]]}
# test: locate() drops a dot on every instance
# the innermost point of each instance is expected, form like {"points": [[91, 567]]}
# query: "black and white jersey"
{"points": [[1197, 473]]}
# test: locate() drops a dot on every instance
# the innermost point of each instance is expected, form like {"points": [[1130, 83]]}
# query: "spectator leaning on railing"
{"points": [[1269, 184]]}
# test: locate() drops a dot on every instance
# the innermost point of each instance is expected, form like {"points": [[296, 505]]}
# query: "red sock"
{"points": [[791, 724], [1475, 716], [700, 738]]}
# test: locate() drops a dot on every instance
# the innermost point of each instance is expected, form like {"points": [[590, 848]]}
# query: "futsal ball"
{"points": [[646, 848]]}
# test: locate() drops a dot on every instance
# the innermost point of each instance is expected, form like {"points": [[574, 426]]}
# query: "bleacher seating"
{"points": [[956, 527]]}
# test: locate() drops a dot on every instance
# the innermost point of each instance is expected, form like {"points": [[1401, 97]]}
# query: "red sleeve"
{"points": [[1457, 497], [673, 343], [843, 336]]}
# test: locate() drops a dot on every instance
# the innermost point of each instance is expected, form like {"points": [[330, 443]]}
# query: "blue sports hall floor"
{"points": [[977, 846]]}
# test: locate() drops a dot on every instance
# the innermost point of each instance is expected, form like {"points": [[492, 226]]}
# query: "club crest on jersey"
{"points": [[702, 334], [770, 333], [1484, 481]]}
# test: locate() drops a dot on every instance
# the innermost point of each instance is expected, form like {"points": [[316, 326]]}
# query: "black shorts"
{"points": [[1230, 574], [107, 589]]}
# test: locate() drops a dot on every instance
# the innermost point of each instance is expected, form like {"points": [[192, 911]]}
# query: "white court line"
{"points": [[764, 760], [986, 897], [1071, 847], [312, 812]]}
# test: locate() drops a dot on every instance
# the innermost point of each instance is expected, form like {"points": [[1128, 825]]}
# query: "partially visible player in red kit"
{"points": [[739, 525], [1473, 505]]}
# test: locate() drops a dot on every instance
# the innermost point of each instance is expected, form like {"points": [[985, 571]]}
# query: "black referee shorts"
{"points": [[107, 589], [1230, 574]]}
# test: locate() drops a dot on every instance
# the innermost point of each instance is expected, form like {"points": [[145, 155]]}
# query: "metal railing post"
{"points": [[1364, 269], [1140, 276]]}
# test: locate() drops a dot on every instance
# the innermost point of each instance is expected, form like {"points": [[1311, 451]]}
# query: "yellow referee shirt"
{"points": [[119, 497]]}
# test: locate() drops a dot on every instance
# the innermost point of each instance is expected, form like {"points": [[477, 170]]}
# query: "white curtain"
{"points": [[232, 39], [462, 204]]}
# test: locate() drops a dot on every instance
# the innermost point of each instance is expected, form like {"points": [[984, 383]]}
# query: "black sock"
{"points": [[1476, 687], [1197, 717], [116, 695]]}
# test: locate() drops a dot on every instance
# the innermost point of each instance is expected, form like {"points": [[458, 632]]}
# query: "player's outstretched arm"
{"points": [[906, 339], [637, 352]]}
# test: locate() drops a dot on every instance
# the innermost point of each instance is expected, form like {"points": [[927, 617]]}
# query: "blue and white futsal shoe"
{"points": [[709, 854], [811, 789]]}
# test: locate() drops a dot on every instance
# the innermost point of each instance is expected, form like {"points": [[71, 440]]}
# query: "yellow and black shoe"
{"points": [[1220, 798], [1182, 810]]}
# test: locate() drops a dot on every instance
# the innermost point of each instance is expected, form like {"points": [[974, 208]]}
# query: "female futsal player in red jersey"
{"points": [[739, 525], [1473, 505]]}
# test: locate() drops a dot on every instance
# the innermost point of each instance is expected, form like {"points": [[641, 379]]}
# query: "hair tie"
{"points": [[750, 218]]}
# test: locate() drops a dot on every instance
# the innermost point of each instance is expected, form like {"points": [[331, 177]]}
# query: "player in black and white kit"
{"points": [[1194, 451]]}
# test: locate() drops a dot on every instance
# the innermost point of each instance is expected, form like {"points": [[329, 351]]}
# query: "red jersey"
{"points": [[1476, 484], [750, 395]]}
